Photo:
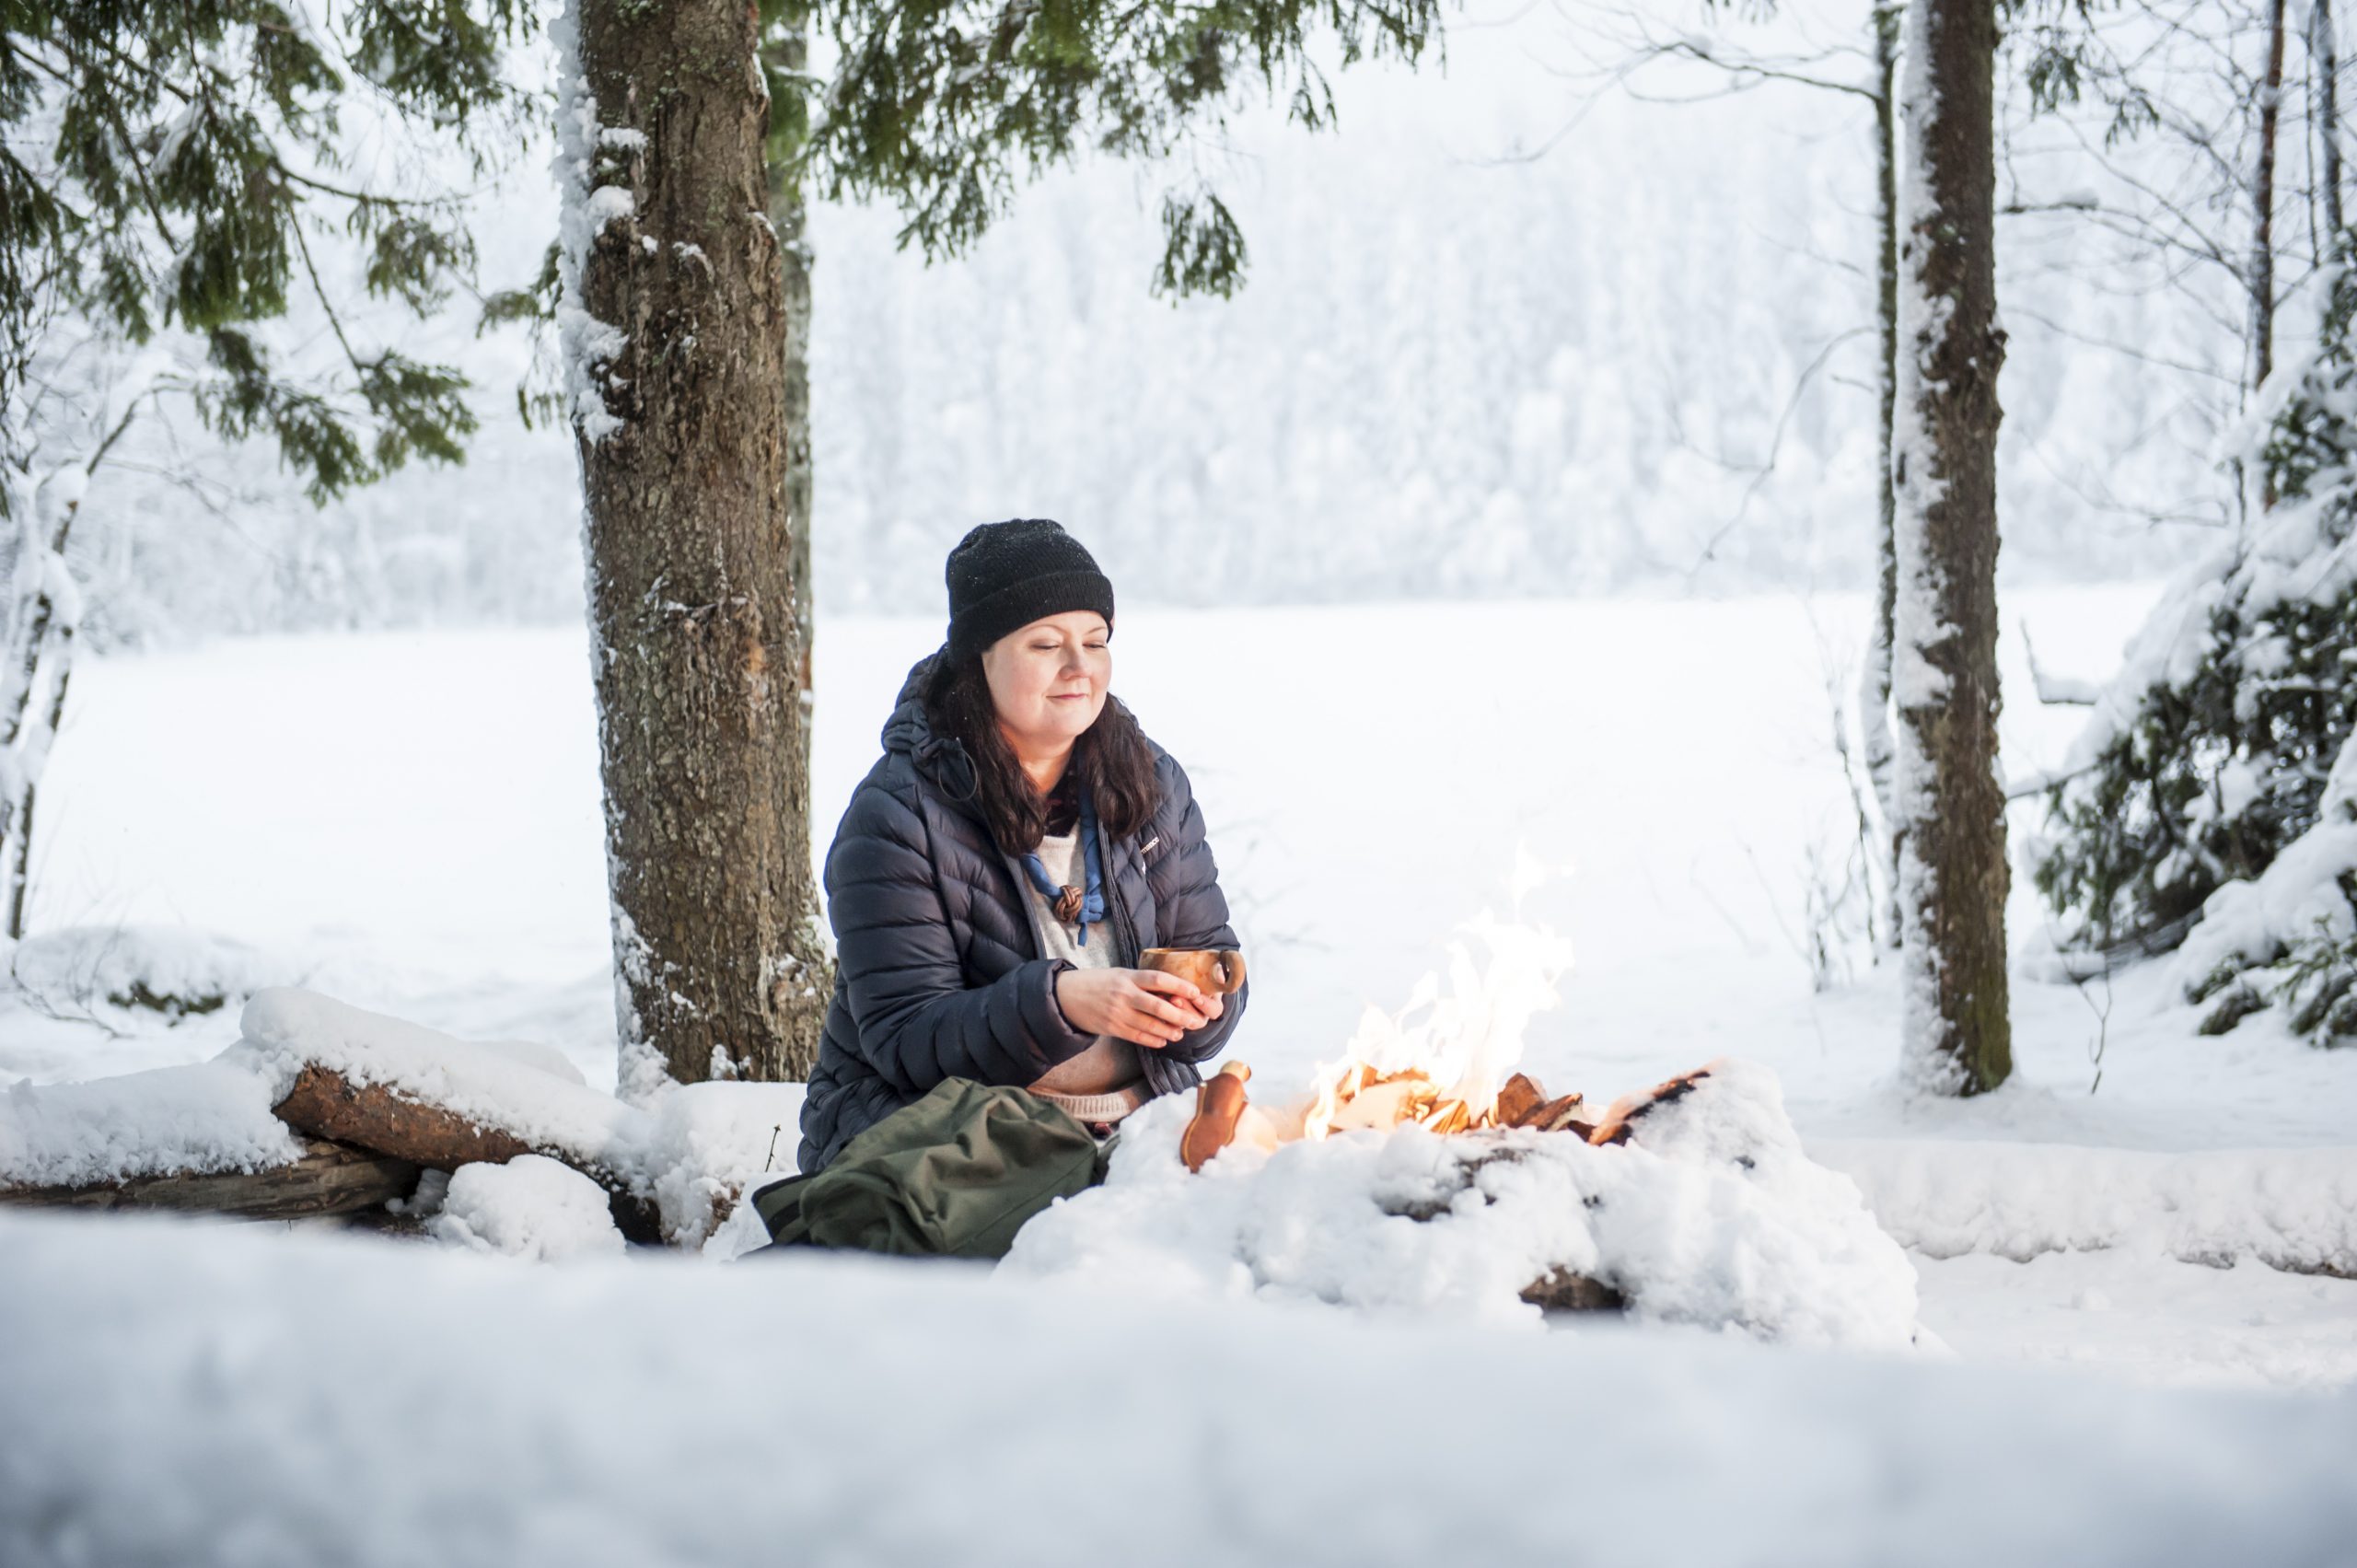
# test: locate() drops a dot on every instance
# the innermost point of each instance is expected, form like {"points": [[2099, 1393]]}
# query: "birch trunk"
{"points": [[676, 331], [36, 664], [1953, 875]]}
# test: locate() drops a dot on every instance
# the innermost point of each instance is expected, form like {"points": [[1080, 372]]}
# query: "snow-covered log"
{"points": [[326, 1104], [327, 1177], [408, 1095]]}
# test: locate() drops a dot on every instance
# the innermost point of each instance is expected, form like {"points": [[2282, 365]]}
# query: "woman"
{"points": [[1000, 869]]}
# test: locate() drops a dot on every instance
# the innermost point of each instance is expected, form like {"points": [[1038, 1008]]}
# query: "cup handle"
{"points": [[1231, 972]]}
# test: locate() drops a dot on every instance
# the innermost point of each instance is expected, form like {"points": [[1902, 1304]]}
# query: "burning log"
{"points": [[1521, 1097], [1561, 1115], [329, 1177], [1614, 1128]]}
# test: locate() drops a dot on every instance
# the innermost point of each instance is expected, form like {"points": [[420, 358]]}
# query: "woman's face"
{"points": [[1048, 679]]}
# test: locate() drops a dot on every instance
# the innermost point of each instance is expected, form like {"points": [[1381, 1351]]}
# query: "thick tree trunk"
{"points": [[1873, 678], [677, 339], [1953, 875]]}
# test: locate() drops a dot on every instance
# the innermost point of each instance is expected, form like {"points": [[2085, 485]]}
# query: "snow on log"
{"points": [[407, 1090], [324, 1178], [205, 1117], [326, 1104], [243, 1133]]}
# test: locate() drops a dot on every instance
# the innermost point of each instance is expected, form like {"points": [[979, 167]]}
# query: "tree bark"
{"points": [[681, 427], [326, 1104], [1873, 678], [2325, 49], [2262, 200], [789, 217], [40, 654], [1953, 873]]}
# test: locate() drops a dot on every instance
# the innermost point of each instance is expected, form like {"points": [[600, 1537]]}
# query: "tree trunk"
{"points": [[788, 216], [35, 666], [2325, 49], [1873, 678], [1953, 875], [676, 342], [2262, 200]]}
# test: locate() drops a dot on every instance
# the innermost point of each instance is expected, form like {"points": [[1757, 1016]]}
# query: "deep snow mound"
{"points": [[1710, 1215], [208, 1395]]}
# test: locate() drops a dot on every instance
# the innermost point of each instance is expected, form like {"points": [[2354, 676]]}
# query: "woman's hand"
{"points": [[1145, 1007]]}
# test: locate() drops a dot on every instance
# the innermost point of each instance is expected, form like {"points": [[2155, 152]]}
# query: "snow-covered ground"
{"points": [[411, 824], [339, 1400]]}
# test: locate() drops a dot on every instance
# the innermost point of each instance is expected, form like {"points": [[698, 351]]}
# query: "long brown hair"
{"points": [[1112, 756]]}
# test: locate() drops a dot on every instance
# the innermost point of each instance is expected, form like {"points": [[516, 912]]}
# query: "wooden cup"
{"points": [[1214, 969]]}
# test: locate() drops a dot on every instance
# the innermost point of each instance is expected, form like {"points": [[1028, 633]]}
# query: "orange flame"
{"points": [[1440, 1061]]}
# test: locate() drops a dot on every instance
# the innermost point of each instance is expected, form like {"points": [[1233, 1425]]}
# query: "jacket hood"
{"points": [[941, 759]]}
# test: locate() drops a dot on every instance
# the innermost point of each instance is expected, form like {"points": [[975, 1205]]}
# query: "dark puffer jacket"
{"points": [[938, 973]]}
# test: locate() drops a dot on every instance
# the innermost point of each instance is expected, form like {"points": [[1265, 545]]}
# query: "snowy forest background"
{"points": [[1584, 317], [1509, 331]]}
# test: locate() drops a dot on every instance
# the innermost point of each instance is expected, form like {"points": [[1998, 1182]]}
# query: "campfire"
{"points": [[1444, 1063], [1363, 1098], [1447, 1062]]}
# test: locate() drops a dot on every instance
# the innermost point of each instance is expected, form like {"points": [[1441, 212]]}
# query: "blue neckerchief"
{"points": [[1092, 899]]}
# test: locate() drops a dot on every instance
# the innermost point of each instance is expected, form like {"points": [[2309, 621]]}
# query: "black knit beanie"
{"points": [[1004, 575]]}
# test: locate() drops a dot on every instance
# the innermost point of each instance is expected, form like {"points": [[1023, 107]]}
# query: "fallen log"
{"points": [[326, 1104], [329, 1177]]}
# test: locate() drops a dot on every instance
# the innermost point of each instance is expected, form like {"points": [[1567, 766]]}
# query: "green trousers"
{"points": [[954, 1175]]}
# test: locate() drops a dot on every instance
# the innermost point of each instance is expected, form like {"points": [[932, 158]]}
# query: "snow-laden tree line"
{"points": [[174, 177]]}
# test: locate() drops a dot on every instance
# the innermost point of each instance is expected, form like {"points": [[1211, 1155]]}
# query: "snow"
{"points": [[710, 1143], [1711, 1216], [2288, 1208], [2289, 556], [84, 966], [202, 1403], [2145, 1317], [284, 1030], [203, 1117], [587, 344], [2296, 899], [532, 1207]]}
